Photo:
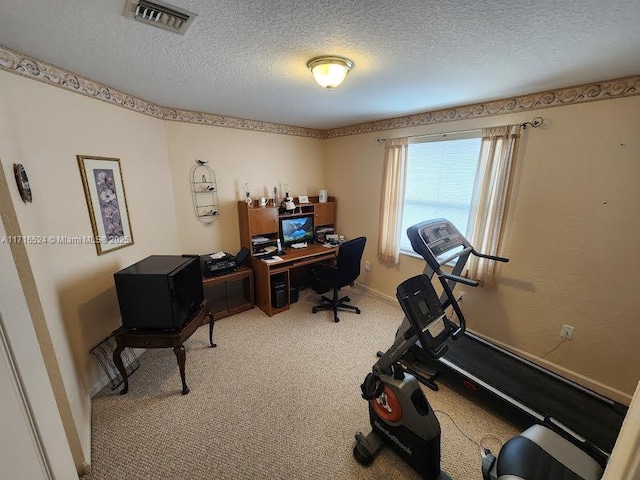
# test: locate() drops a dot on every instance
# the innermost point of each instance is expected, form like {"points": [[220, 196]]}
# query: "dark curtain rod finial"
{"points": [[535, 123]]}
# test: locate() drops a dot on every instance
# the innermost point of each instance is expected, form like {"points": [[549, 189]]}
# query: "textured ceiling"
{"points": [[248, 59]]}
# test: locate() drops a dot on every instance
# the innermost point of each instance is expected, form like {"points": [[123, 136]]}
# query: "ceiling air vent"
{"points": [[160, 15]]}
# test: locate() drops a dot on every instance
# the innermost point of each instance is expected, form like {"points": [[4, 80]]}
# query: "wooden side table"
{"points": [[138, 338]]}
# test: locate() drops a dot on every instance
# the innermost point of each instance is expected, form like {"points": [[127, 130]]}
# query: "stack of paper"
{"points": [[275, 258], [259, 240]]}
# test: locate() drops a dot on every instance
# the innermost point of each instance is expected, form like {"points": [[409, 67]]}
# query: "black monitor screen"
{"points": [[296, 229]]}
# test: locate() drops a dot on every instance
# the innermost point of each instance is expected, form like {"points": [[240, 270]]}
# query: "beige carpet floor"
{"points": [[278, 398]]}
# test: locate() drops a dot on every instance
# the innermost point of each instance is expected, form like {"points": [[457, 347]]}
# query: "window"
{"points": [[464, 178], [440, 178]]}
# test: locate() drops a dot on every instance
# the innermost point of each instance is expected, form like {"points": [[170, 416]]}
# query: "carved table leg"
{"points": [[117, 359], [181, 356]]}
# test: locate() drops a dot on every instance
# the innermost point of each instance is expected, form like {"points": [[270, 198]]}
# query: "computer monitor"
{"points": [[296, 229]]}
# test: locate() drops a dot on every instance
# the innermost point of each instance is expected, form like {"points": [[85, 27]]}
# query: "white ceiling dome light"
{"points": [[329, 71]]}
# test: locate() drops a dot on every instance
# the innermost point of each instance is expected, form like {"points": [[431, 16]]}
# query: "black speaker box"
{"points": [[242, 255]]}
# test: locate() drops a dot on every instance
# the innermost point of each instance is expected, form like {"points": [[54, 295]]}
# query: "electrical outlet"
{"points": [[566, 331], [367, 266]]}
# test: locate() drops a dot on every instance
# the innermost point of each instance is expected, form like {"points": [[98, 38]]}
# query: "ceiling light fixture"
{"points": [[329, 71]]}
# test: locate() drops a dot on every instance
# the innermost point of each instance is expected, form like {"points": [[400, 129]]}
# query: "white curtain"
{"points": [[396, 152], [490, 198]]}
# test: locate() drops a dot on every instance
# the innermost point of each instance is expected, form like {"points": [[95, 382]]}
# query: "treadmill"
{"points": [[589, 419]]}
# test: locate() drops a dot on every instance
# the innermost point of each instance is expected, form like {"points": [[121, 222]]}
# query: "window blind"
{"points": [[440, 179]]}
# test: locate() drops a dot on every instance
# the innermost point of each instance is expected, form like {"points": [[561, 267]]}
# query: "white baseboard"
{"points": [[369, 291], [84, 468], [103, 379], [102, 382]]}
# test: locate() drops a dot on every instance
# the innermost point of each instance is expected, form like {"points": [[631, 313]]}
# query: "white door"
{"points": [[20, 454], [33, 444]]}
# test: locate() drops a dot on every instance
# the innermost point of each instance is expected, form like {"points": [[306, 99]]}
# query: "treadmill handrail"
{"points": [[445, 260], [457, 278], [489, 257]]}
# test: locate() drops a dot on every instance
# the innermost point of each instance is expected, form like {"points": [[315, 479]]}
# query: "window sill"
{"points": [[411, 253]]}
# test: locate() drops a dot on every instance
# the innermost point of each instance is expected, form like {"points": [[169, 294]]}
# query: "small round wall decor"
{"points": [[23, 182]]}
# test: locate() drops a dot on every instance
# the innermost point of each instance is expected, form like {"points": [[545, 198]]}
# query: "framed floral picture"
{"points": [[107, 202]]}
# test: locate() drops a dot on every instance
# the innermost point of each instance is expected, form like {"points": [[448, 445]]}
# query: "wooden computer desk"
{"points": [[294, 263]]}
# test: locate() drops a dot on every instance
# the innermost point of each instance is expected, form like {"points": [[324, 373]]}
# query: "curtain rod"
{"points": [[535, 123]]}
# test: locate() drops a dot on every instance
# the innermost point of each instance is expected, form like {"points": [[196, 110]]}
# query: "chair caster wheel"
{"points": [[358, 311], [314, 310], [347, 299], [336, 319]]}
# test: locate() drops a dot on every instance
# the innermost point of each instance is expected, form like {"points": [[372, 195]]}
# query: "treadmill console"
{"points": [[435, 238], [425, 313]]}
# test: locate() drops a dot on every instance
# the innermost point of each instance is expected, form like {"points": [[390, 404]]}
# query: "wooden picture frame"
{"points": [[106, 201]]}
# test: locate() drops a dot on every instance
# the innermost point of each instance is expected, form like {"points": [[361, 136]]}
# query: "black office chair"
{"points": [[345, 272]]}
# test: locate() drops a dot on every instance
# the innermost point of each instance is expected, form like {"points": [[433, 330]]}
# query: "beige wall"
{"points": [[264, 160], [46, 128], [571, 236]]}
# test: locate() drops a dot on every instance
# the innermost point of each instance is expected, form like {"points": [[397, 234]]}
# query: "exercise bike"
{"points": [[399, 412]]}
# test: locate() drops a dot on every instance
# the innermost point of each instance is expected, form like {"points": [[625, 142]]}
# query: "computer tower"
{"points": [[278, 293], [160, 292], [293, 293]]}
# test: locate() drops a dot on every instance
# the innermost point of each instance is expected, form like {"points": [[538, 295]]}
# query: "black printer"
{"points": [[217, 266]]}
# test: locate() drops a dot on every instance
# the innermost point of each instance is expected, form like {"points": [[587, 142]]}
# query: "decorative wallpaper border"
{"points": [[189, 116], [622, 87], [15, 62], [26, 66]]}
